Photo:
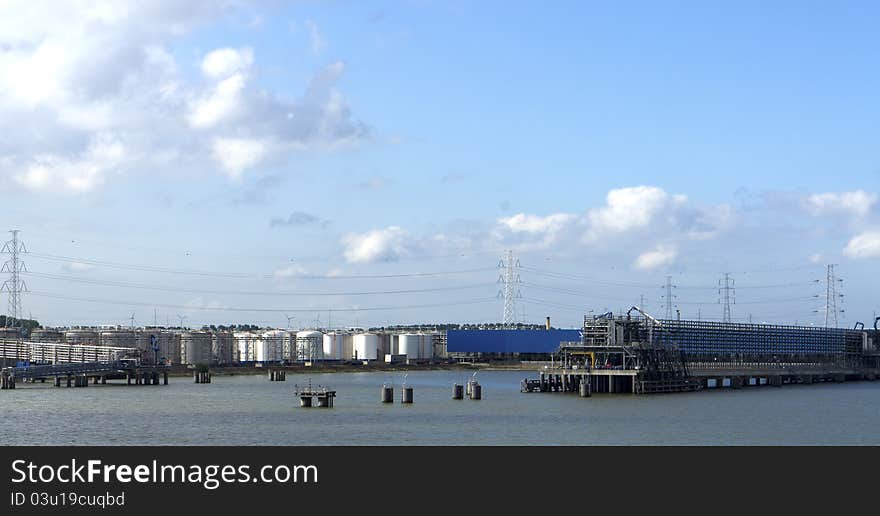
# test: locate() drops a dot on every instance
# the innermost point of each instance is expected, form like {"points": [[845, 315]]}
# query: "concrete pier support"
{"points": [[584, 389], [736, 382], [69, 380], [387, 394], [458, 390], [57, 381], [165, 378]]}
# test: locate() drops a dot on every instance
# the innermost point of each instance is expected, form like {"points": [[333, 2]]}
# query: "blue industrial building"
{"points": [[508, 342]]}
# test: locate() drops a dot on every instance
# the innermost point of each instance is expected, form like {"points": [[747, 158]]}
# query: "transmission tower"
{"points": [[14, 285], [509, 279], [669, 297], [727, 293], [831, 295]]}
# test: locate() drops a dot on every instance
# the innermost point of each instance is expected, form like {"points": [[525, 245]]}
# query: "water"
{"points": [[250, 410]]}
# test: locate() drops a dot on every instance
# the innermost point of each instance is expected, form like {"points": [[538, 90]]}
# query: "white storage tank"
{"points": [[83, 337], [409, 344], [426, 346], [195, 347], [309, 345], [118, 338], [366, 346], [271, 349], [222, 346], [347, 346], [246, 345], [334, 346]]}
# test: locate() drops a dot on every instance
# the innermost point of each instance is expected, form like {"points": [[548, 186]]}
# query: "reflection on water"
{"points": [[250, 410]]}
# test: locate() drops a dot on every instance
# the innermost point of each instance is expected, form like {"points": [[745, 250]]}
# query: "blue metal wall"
{"points": [[508, 341]]}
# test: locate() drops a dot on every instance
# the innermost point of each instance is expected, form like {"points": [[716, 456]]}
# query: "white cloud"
{"points": [[49, 173], [316, 40], [857, 202], [290, 271], [236, 155], [630, 208], [71, 72], [377, 245], [864, 245], [660, 256], [76, 267], [525, 223], [224, 62], [221, 103]]}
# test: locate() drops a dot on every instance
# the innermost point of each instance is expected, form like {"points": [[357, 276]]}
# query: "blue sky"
{"points": [[236, 156]]}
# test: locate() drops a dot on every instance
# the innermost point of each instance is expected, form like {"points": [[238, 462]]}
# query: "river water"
{"points": [[250, 410]]}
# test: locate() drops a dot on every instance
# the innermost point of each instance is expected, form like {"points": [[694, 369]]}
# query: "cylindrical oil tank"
{"points": [[271, 349], [82, 337], [426, 346], [386, 345], [118, 338], [408, 344], [309, 345], [222, 345], [195, 347], [334, 346], [46, 335], [167, 341], [366, 346], [347, 346], [246, 346]]}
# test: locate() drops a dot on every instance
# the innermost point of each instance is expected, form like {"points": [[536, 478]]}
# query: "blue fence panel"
{"points": [[508, 341]]}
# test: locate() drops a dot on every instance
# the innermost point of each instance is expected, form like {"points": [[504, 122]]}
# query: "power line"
{"points": [[248, 293], [237, 309], [190, 272]]}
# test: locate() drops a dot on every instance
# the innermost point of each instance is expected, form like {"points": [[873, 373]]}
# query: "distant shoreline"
{"points": [[353, 368]]}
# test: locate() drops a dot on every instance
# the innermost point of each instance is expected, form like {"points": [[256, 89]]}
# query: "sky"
{"points": [[344, 163]]}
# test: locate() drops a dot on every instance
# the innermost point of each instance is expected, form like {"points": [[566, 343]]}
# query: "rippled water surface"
{"points": [[250, 410]]}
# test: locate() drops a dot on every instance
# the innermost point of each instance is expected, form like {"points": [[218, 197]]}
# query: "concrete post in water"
{"points": [[103, 380], [407, 395], [165, 377], [196, 377], [69, 380], [476, 391], [457, 391], [584, 388], [387, 394], [305, 401], [57, 381]]}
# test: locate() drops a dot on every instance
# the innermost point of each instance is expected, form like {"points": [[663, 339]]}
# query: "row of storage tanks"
{"points": [[219, 347]]}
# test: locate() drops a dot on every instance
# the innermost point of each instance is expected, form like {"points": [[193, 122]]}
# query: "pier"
{"points": [[79, 375], [314, 396]]}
